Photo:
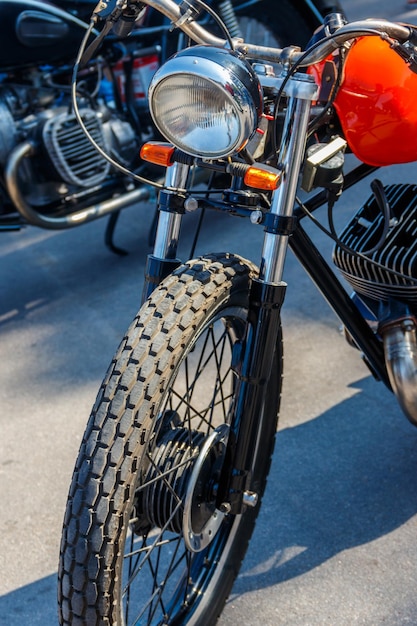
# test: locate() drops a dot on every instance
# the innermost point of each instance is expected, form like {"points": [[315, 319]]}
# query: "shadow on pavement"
{"points": [[33, 604], [338, 481]]}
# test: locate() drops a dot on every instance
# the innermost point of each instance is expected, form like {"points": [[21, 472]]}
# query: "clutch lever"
{"points": [[119, 16], [108, 11]]}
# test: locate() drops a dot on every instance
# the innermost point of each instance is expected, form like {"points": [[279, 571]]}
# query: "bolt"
{"points": [[225, 507], [408, 326], [191, 204], [256, 217], [250, 498]]}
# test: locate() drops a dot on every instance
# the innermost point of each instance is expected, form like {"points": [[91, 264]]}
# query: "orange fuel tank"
{"points": [[377, 104]]}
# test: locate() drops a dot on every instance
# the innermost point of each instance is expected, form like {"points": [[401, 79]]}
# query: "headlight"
{"points": [[206, 101]]}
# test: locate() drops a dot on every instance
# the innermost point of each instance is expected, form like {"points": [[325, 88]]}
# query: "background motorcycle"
{"points": [[176, 454], [51, 176]]}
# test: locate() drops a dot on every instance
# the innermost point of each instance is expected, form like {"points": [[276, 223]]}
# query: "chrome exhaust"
{"points": [[93, 212], [400, 347]]}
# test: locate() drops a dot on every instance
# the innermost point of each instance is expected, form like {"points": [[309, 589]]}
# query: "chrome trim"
{"points": [[226, 79], [93, 212], [169, 224], [290, 161], [400, 346], [276, 55]]}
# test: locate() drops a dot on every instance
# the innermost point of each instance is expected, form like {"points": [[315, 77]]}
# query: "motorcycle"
{"points": [[51, 175], [176, 453]]}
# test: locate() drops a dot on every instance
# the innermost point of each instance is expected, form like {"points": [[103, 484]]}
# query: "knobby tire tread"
{"points": [[96, 511]]}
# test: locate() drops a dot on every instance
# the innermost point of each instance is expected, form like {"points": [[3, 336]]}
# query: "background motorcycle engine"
{"points": [[65, 160]]}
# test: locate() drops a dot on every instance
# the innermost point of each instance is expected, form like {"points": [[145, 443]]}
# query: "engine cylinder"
{"points": [[390, 271]]}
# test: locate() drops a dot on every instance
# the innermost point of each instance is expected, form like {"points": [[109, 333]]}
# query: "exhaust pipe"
{"points": [[400, 347], [32, 216]]}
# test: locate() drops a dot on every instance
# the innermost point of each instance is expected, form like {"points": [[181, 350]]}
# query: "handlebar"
{"points": [[200, 35], [384, 28]]}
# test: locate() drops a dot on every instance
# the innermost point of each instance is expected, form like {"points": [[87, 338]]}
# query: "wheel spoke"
{"points": [[202, 414], [166, 474], [219, 381], [156, 600], [162, 418], [216, 354], [194, 414], [146, 552]]}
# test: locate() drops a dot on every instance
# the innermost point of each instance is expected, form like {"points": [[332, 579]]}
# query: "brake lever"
{"points": [[95, 44], [119, 16]]}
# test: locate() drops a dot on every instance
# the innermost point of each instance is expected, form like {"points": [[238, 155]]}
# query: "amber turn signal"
{"points": [[157, 152], [265, 178]]}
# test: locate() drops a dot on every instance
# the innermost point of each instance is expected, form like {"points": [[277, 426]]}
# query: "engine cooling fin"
{"points": [[398, 252], [73, 155]]}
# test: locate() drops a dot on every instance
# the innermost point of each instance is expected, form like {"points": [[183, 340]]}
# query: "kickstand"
{"points": [[109, 234]]}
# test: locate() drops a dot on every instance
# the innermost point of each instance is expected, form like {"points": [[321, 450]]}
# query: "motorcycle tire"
{"points": [[143, 542]]}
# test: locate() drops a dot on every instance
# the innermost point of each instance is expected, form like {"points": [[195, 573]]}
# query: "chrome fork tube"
{"points": [[301, 90], [169, 224], [164, 260]]}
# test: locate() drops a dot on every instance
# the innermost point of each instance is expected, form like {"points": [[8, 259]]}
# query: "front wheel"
{"points": [[143, 541]]}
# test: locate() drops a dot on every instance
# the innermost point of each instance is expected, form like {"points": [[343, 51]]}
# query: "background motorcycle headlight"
{"points": [[206, 101]]}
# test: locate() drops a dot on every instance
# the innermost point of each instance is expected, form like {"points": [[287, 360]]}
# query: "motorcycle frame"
{"points": [[254, 358]]}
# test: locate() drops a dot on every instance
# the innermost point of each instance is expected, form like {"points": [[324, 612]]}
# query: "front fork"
{"points": [[256, 354], [265, 302], [164, 260]]}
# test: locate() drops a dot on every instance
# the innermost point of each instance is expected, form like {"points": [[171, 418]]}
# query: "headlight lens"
{"points": [[206, 101]]}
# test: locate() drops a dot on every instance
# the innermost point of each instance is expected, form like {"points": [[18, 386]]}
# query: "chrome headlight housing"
{"points": [[206, 101]]}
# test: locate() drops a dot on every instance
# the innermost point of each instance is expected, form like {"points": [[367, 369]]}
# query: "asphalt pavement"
{"points": [[335, 543]]}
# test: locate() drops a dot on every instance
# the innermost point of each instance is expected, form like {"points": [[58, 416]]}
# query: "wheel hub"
{"points": [[179, 486], [201, 518]]}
